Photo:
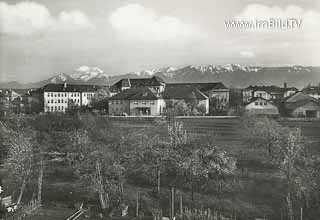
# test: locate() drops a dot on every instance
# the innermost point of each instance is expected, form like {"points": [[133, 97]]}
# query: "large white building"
{"points": [[60, 97]]}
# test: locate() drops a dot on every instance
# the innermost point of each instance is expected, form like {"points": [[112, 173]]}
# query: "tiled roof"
{"points": [[70, 88], [142, 93], [183, 91]]}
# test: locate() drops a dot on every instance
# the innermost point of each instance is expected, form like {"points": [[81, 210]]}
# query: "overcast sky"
{"points": [[41, 38]]}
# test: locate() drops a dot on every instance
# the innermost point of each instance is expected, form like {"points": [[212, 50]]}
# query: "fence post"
{"points": [[172, 202], [301, 214], [181, 207], [137, 205]]}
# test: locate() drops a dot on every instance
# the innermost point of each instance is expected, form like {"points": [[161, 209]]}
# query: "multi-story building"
{"points": [[203, 92], [60, 97], [137, 101]]}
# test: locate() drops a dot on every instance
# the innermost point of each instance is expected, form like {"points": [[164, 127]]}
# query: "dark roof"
{"points": [[294, 105], [70, 88], [271, 89], [299, 96], [183, 92], [137, 82], [142, 93], [311, 89], [203, 87]]}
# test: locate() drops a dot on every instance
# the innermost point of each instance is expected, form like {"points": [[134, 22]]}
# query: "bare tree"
{"points": [[21, 158]]}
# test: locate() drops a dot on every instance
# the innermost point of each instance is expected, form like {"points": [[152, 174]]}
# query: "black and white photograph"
{"points": [[159, 110]]}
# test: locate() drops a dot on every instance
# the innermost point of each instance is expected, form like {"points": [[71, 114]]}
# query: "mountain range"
{"points": [[231, 74]]}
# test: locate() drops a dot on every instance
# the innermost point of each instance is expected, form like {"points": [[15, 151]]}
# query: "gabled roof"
{"points": [[299, 96], [142, 93], [294, 105], [299, 99], [137, 82], [70, 88], [186, 92]]}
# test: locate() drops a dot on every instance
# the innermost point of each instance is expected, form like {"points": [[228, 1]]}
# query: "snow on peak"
{"points": [[86, 73], [61, 77]]}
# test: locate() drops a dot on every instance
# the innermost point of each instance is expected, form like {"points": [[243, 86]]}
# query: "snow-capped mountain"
{"points": [[86, 73], [230, 74]]}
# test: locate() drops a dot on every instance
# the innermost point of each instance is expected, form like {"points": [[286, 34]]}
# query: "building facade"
{"points": [[61, 97], [261, 106], [142, 101]]}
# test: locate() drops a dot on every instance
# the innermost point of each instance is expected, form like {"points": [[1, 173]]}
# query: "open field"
{"points": [[226, 130]]}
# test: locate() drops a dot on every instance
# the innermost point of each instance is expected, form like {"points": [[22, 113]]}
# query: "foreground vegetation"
{"points": [[112, 169]]}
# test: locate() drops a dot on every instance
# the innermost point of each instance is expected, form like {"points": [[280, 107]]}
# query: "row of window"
{"points": [[135, 102], [55, 108], [260, 103], [65, 94], [64, 101]]}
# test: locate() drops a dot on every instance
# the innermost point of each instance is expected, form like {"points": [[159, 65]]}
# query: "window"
{"points": [[152, 102], [59, 108], [136, 102], [58, 100], [48, 101], [58, 94], [62, 108], [52, 108], [51, 100], [265, 103], [55, 108], [256, 103]]}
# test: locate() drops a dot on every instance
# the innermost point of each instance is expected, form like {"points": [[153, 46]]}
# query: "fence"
{"points": [[22, 212]]}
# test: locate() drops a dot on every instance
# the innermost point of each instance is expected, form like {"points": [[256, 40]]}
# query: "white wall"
{"points": [[262, 94], [156, 106], [266, 107]]}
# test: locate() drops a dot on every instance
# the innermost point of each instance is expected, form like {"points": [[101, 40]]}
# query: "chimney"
{"points": [[285, 85], [64, 85]]}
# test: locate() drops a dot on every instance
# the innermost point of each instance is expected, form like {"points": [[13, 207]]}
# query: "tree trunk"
{"points": [[159, 181], [102, 194], [23, 186], [40, 178], [102, 200], [290, 208]]}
